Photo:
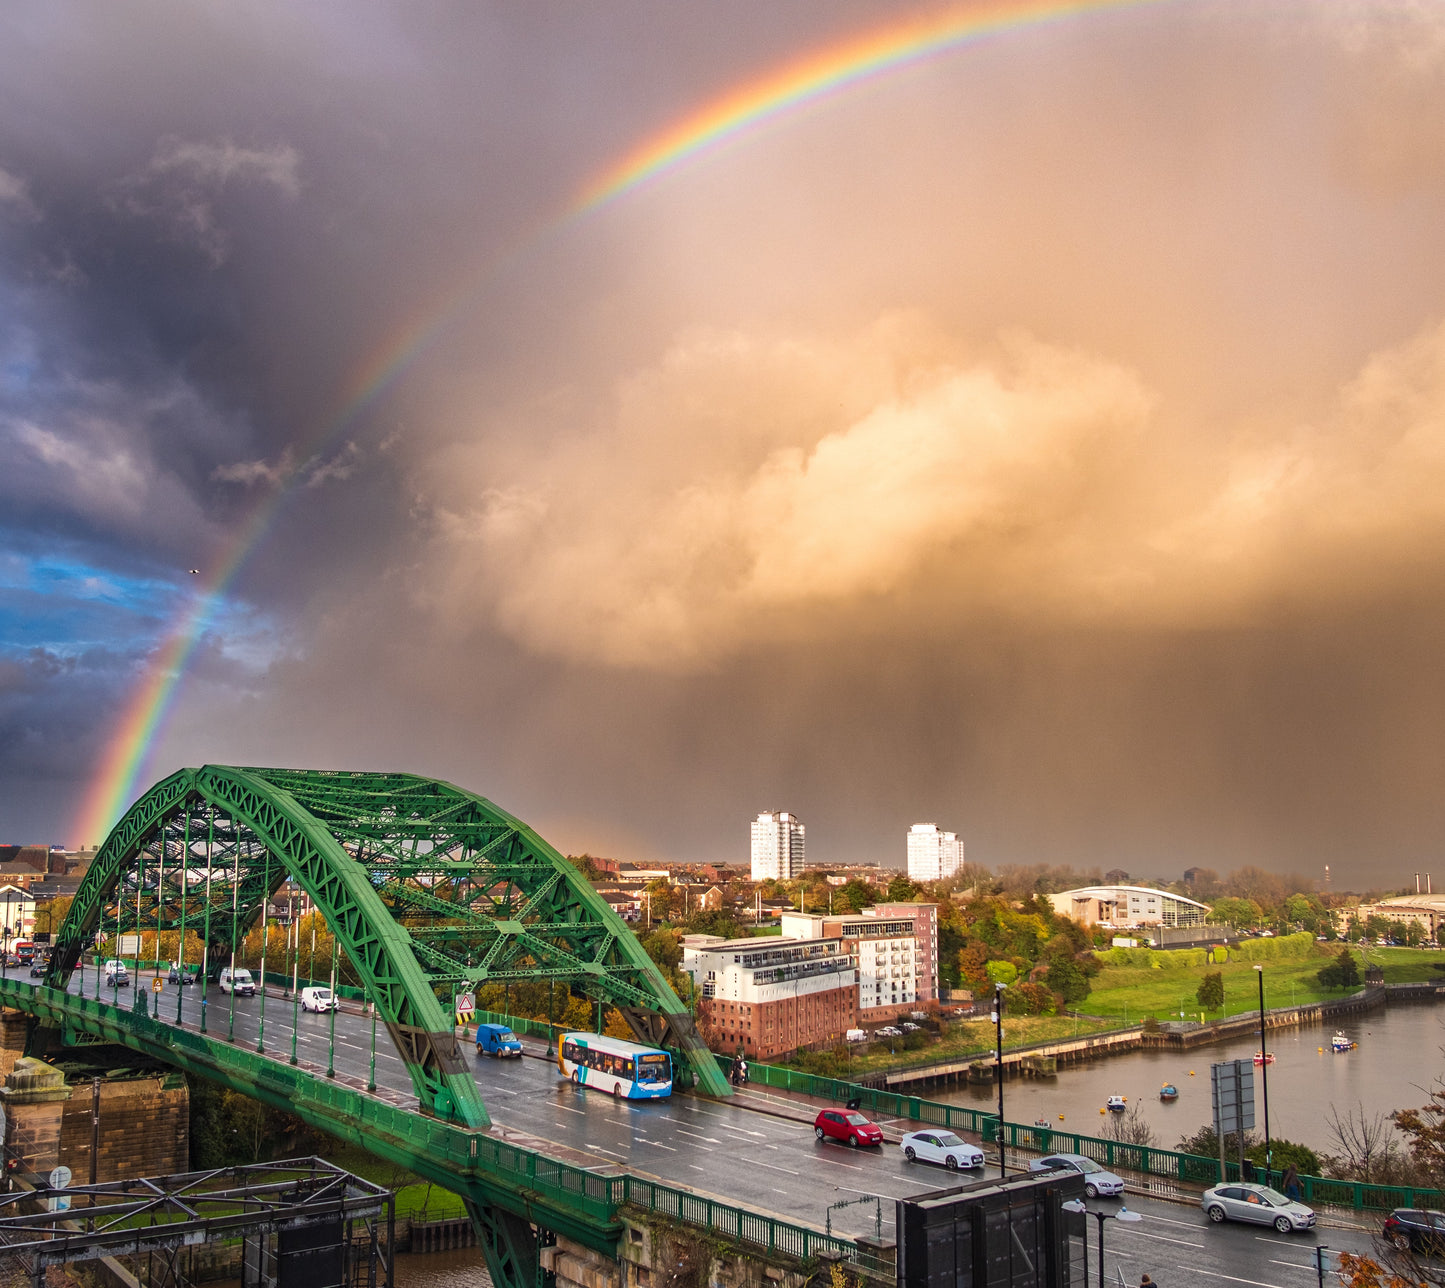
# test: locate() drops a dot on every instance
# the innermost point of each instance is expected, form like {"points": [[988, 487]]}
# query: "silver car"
{"points": [[940, 1147], [1096, 1180], [1257, 1203]]}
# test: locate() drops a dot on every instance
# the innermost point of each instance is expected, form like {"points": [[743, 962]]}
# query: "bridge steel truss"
{"points": [[429, 890]]}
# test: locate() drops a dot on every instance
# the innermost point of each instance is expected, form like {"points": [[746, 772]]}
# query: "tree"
{"points": [[1237, 912], [1343, 972], [1067, 979], [664, 947], [1211, 991], [902, 888], [1424, 1131], [853, 897]]}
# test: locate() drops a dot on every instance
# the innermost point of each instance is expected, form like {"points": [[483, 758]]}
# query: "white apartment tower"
{"points": [[933, 855], [777, 846]]}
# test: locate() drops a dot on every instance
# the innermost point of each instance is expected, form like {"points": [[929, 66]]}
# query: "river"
{"points": [[1398, 1059]]}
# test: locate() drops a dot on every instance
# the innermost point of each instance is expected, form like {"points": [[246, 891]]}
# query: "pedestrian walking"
{"points": [[1146, 1282], [1290, 1183]]}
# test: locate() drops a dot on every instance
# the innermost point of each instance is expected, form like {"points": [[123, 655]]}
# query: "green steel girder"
{"points": [[425, 886], [292, 842]]}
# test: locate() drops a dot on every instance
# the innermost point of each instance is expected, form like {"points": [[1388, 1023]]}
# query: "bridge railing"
{"points": [[1165, 1164], [598, 1197]]}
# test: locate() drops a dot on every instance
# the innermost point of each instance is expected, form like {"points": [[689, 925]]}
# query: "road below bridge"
{"points": [[757, 1150]]}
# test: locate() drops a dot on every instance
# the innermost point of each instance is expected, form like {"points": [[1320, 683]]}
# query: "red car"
{"points": [[848, 1126]]}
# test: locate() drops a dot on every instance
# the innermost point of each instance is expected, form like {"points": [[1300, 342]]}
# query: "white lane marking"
{"points": [[567, 1109], [1164, 1238], [1292, 1264], [711, 1140], [770, 1146], [657, 1144], [1234, 1279], [696, 1168], [600, 1150], [776, 1190], [772, 1167]]}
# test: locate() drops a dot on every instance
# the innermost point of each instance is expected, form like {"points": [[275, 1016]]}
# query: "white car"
{"points": [[318, 1000], [940, 1147], [116, 973], [1096, 1180], [888, 1031], [1257, 1203]]}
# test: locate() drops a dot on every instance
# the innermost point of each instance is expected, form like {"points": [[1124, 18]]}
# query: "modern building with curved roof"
{"points": [[1128, 905]]}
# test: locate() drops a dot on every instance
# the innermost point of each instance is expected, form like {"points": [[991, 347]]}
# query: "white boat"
{"points": [[1341, 1043], [1116, 1103]]}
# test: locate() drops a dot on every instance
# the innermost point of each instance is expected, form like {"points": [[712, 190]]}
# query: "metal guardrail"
{"points": [[1147, 1160], [596, 1197]]}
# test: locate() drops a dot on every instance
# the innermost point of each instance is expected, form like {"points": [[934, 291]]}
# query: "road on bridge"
{"points": [[757, 1150]]}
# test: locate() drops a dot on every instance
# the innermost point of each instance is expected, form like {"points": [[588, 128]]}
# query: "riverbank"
{"points": [[1043, 1058]]}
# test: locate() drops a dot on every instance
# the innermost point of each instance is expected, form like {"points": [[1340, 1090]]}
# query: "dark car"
{"points": [[38, 967], [847, 1125], [1416, 1229]]}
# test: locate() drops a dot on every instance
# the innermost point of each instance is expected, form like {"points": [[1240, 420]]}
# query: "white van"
{"points": [[116, 973], [856, 1035], [318, 999], [237, 981]]}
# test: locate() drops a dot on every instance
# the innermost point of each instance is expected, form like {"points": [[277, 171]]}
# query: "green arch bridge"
{"points": [[430, 890]]}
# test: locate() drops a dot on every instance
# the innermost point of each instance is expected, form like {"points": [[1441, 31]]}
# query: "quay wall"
{"points": [[1175, 1035]]}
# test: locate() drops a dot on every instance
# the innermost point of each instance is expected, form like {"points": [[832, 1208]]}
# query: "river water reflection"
{"points": [[1397, 1061]]}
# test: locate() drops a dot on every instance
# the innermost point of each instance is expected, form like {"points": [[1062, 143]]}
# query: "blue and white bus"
{"points": [[610, 1064]]}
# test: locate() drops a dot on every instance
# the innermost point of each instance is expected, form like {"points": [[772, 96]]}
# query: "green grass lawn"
{"points": [[1131, 992], [414, 1196]]}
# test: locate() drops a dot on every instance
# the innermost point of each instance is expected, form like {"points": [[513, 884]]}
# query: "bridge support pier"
{"points": [[510, 1244]]}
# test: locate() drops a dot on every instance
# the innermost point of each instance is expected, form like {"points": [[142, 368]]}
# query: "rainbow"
{"points": [[813, 77]]}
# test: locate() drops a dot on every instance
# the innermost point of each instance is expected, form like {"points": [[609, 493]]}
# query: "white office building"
{"points": [[777, 846], [933, 855]]}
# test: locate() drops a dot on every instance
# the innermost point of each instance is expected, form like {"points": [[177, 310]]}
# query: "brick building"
{"points": [[770, 996], [896, 947]]}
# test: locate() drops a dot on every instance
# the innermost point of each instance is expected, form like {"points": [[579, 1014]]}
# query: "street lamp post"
{"points": [[1123, 1214], [997, 1018], [1264, 1076]]}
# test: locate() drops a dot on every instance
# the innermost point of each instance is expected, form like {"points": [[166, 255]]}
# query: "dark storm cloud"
{"points": [[1045, 439]]}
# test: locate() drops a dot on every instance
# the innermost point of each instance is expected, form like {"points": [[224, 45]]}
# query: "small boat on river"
{"points": [[1341, 1043], [1116, 1103], [1263, 1057], [1168, 1092]]}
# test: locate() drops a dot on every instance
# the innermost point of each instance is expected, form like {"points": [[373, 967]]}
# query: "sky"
{"points": [[1041, 434]]}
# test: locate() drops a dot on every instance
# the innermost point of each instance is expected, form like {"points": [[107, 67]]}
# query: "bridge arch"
{"points": [[429, 890]]}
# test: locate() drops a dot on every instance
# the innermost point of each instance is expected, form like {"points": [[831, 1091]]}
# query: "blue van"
{"points": [[497, 1040]]}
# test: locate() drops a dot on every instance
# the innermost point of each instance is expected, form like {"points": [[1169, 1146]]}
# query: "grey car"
{"points": [[1097, 1181], [1258, 1204]]}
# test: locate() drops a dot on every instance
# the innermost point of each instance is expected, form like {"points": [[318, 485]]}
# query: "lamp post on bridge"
{"points": [[1123, 1214], [1264, 1076], [997, 1018]]}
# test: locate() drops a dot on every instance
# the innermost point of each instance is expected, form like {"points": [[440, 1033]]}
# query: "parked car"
{"points": [[318, 998], [1257, 1203], [498, 1040], [181, 974], [1096, 1180], [909, 1027], [1416, 1229], [238, 982], [940, 1147], [38, 967], [888, 1031], [848, 1126], [116, 974]]}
